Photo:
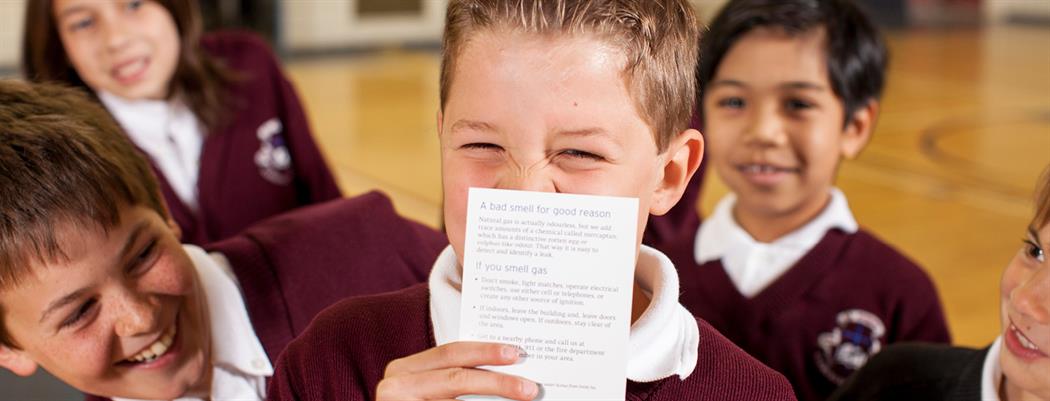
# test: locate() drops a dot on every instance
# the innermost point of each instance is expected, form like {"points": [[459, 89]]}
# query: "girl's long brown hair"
{"points": [[199, 78]]}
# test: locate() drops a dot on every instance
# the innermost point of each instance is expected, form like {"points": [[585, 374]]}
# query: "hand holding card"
{"points": [[552, 274]]}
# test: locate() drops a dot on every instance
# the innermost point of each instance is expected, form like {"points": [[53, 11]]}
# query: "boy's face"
{"points": [[774, 124], [552, 115], [129, 48], [1025, 314], [122, 316]]}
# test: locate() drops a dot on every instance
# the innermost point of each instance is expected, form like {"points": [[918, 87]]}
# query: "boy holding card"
{"points": [[96, 288], [788, 90], [585, 97]]}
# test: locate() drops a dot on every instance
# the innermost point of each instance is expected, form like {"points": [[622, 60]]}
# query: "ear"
{"points": [[683, 156], [17, 361], [440, 121], [858, 130]]}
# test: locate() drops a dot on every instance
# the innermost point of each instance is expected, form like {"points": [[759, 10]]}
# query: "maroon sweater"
{"points": [[292, 266], [342, 356], [234, 189], [801, 325]]}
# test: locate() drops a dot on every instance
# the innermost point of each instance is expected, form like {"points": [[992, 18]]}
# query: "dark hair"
{"points": [[657, 37], [198, 77], [63, 160], [856, 54]]}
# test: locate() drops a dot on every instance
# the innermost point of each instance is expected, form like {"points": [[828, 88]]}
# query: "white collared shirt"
{"points": [[169, 133], [662, 342], [240, 365], [992, 372], [753, 265]]}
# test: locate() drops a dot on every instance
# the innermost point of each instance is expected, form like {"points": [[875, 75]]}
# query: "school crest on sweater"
{"points": [[857, 336], [273, 158]]}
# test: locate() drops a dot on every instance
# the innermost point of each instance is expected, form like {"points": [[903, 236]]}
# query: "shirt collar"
{"points": [[142, 119], [992, 372], [662, 342], [240, 364], [721, 233]]}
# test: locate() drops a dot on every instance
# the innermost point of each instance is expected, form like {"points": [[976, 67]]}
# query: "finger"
{"points": [[464, 354], [454, 382]]}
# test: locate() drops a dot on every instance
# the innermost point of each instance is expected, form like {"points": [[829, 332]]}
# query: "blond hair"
{"points": [[658, 37]]}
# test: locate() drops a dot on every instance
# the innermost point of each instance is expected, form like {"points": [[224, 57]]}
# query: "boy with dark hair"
{"points": [[589, 97], [788, 89], [95, 287]]}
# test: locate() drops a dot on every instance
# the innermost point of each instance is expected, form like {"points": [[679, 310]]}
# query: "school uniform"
{"points": [[288, 268], [813, 305], [260, 161], [672, 354], [927, 372]]}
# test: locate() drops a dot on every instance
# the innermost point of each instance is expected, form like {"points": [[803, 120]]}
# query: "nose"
{"points": [[1032, 297], [136, 316], [115, 34], [766, 128], [534, 178]]}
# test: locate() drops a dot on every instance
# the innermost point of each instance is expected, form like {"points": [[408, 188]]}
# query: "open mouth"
{"points": [[154, 351], [130, 71]]}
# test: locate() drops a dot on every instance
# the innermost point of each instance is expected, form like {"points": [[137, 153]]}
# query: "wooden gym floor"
{"points": [[947, 178]]}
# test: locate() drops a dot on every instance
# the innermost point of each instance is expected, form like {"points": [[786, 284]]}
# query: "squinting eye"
{"points": [[134, 4], [144, 258], [579, 154], [1034, 251], [79, 314], [731, 103], [481, 146]]}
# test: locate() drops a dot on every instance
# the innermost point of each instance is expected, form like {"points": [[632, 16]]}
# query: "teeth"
{"points": [[1025, 342], [131, 68], [759, 168], [156, 349]]}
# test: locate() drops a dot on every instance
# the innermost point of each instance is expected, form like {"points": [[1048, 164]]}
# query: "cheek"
{"points": [[81, 359], [172, 275], [84, 59]]}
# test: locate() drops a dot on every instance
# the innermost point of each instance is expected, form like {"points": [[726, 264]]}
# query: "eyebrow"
{"points": [[594, 131], [473, 125], [71, 10], [798, 85], [57, 304], [1035, 235], [802, 85], [727, 82]]}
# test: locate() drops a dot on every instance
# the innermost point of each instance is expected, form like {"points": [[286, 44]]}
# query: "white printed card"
{"points": [[552, 274]]}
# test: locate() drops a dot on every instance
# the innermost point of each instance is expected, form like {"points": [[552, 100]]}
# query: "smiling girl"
{"points": [[1016, 367], [222, 126]]}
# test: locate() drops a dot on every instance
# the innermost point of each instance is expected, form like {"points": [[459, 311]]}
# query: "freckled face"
{"points": [[1025, 313], [129, 48], [542, 114], [122, 316]]}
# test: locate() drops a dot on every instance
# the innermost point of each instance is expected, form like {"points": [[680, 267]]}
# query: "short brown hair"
{"points": [[63, 160], [658, 37], [1042, 200], [198, 77]]}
